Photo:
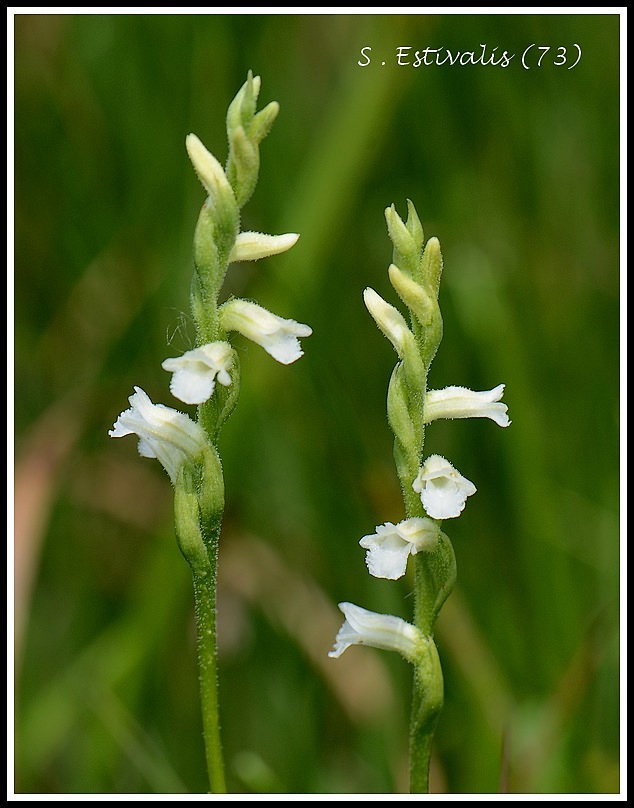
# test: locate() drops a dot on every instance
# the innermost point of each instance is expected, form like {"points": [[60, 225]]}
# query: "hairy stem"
{"points": [[205, 600], [426, 707]]}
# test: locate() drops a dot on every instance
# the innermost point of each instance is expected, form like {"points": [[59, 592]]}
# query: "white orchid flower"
{"points": [[362, 627], [460, 402], [195, 372], [391, 545], [443, 490], [166, 434], [278, 337]]}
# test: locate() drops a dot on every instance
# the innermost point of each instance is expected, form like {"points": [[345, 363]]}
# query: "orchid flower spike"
{"points": [[443, 490], [362, 627], [391, 545], [460, 402], [195, 372], [166, 434], [278, 337]]}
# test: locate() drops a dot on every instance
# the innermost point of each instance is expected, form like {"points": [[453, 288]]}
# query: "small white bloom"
{"points": [[460, 402], [443, 490], [391, 545], [208, 169], [389, 320], [362, 627], [195, 372], [278, 337], [251, 246], [169, 435]]}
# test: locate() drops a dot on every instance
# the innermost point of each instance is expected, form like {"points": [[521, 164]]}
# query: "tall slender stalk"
{"points": [[209, 376], [205, 604]]}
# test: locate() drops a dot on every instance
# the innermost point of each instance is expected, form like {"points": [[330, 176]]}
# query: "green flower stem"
{"points": [[430, 582], [198, 509], [426, 707], [205, 603], [428, 691], [435, 575]]}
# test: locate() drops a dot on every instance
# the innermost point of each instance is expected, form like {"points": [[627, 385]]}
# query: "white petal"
{"points": [[224, 378], [190, 387], [285, 348], [443, 500], [387, 563], [145, 449]]}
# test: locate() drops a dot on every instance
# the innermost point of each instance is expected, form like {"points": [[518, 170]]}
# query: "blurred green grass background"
{"points": [[517, 173]]}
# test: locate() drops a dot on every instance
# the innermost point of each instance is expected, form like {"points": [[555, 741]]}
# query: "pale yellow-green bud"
{"points": [[415, 297], [251, 246], [414, 224], [244, 165], [208, 169], [242, 109], [406, 251], [389, 320], [241, 112], [393, 325], [263, 121], [431, 265], [245, 131]]}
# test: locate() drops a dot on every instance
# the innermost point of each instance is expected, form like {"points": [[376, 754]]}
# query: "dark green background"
{"points": [[517, 173]]}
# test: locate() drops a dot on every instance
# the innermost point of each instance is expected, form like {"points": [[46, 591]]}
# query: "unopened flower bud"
{"points": [[208, 169], [251, 246]]}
